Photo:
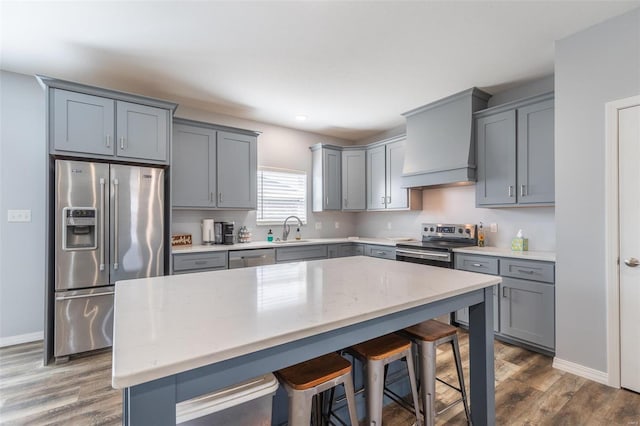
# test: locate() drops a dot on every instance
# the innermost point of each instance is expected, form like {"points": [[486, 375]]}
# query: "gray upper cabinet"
{"points": [[213, 167], [515, 145], [353, 180], [83, 123], [384, 178], [91, 122], [194, 166], [237, 171], [142, 131], [535, 153], [326, 177]]}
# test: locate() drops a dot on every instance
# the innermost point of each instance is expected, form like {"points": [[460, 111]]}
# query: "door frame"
{"points": [[612, 237]]}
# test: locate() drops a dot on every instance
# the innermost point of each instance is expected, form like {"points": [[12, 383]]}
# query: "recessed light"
{"points": [[301, 117]]}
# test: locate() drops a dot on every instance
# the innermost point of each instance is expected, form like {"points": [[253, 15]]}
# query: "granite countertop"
{"points": [[171, 324], [306, 241], [547, 256]]}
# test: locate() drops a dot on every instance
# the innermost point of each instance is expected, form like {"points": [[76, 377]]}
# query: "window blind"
{"points": [[281, 193]]}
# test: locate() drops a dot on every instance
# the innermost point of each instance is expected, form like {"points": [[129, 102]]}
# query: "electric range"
{"points": [[438, 242]]}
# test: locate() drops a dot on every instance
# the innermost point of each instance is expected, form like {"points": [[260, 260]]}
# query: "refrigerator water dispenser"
{"points": [[79, 228]]}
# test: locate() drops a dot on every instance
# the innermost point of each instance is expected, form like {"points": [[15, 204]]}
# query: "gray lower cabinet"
{"points": [[345, 250], [184, 263], [213, 168], [524, 304], [297, 253], [515, 153], [104, 127], [383, 252]]}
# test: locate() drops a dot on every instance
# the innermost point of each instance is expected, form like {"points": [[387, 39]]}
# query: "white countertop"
{"points": [[266, 244], [167, 325], [547, 256]]}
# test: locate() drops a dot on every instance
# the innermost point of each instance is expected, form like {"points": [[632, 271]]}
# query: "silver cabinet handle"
{"points": [[211, 196], [122, 142], [389, 199], [84, 296], [526, 271], [381, 252], [200, 262], [220, 197], [101, 213], [107, 141], [382, 202], [116, 188], [477, 265], [346, 202], [504, 292], [632, 262], [327, 202], [522, 190], [510, 189]]}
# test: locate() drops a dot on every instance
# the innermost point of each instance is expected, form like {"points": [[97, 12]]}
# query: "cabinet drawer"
{"points": [[384, 252], [528, 270], [291, 254], [199, 261], [345, 250], [483, 264]]}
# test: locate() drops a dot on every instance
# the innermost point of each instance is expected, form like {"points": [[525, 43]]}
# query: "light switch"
{"points": [[19, 216], [493, 227]]}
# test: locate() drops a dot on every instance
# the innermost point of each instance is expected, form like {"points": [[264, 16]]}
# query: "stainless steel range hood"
{"points": [[440, 148]]}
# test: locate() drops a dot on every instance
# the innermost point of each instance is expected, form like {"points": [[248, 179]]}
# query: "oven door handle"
{"points": [[424, 254]]}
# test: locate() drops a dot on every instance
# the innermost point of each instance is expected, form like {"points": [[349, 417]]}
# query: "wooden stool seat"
{"points": [[381, 347], [311, 373], [430, 331]]}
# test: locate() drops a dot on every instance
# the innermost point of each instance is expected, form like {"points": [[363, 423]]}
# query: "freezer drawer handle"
{"points": [[116, 187], [84, 296], [101, 213]]}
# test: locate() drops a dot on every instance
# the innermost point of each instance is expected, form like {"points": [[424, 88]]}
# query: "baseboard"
{"points": [[581, 370], [22, 338]]}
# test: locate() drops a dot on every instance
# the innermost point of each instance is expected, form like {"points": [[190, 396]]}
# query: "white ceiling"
{"points": [[351, 67]]}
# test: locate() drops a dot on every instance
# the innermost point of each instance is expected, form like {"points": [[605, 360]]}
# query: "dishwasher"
{"points": [[257, 257]]}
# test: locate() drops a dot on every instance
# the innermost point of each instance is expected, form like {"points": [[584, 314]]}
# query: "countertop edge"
{"points": [[544, 256]]}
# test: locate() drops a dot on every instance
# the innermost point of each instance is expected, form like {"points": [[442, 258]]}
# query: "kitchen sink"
{"points": [[291, 241]]}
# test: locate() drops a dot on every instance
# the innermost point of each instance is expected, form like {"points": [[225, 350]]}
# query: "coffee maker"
{"points": [[227, 232]]}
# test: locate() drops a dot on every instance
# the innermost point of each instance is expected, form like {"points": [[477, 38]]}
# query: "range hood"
{"points": [[440, 147]]}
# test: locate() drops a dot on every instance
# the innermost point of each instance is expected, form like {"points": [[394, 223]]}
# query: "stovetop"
{"points": [[444, 237]]}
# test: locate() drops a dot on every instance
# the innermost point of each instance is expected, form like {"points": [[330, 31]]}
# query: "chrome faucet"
{"points": [[286, 228]]}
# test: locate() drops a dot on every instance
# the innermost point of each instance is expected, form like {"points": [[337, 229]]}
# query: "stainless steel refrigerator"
{"points": [[109, 226]]}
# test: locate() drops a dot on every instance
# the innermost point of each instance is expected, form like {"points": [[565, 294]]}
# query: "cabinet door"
{"points": [[527, 311], [331, 175], [496, 143], [193, 166], [237, 170], [82, 123], [353, 180], [142, 131], [535, 153], [376, 180], [397, 196]]}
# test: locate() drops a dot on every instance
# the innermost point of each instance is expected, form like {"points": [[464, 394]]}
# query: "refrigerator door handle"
{"points": [[115, 225], [101, 213], [84, 296]]}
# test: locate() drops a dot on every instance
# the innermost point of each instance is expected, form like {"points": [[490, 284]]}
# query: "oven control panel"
{"points": [[445, 230]]}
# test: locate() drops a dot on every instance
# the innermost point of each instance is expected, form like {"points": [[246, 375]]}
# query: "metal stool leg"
{"points": [[414, 388], [374, 392], [299, 407], [351, 400], [456, 354], [428, 367]]}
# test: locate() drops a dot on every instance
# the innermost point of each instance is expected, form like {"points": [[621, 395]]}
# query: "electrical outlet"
{"points": [[388, 225], [19, 216], [337, 225], [493, 227], [318, 226]]}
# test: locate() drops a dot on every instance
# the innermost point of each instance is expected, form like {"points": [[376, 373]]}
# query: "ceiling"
{"points": [[351, 67]]}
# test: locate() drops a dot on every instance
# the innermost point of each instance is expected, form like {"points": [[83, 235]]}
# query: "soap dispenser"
{"points": [[270, 236], [298, 236]]}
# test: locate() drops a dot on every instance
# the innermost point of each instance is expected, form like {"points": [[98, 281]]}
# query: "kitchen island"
{"points": [[178, 337]]}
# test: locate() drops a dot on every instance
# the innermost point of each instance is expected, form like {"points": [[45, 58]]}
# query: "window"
{"points": [[281, 193]]}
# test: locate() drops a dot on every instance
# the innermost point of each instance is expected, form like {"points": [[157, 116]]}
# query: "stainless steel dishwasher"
{"points": [[257, 257]]}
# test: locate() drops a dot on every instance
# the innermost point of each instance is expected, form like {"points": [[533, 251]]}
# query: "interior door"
{"points": [[629, 211]]}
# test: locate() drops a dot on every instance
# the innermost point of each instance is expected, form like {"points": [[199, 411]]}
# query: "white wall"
{"points": [[592, 67], [23, 167], [457, 205], [277, 147]]}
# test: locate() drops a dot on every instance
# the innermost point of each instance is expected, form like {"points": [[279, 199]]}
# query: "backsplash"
{"points": [[456, 204]]}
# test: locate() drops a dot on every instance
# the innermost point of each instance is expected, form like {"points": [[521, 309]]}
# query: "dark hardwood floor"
{"points": [[528, 392]]}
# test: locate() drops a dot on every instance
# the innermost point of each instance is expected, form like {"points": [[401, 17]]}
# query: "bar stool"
{"points": [[306, 380], [428, 335], [376, 354]]}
